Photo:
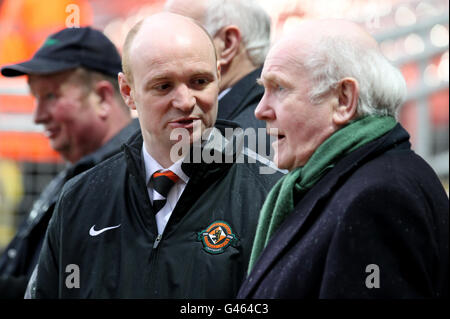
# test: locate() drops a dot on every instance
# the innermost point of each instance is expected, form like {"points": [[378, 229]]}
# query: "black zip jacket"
{"points": [[203, 252]]}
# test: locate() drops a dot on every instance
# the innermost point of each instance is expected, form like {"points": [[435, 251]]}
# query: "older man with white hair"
{"points": [[360, 215]]}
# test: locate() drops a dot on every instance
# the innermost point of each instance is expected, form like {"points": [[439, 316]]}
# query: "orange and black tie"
{"points": [[162, 182]]}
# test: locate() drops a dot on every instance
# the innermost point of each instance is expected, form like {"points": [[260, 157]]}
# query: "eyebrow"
{"points": [[161, 77], [268, 79], [157, 78], [272, 78]]}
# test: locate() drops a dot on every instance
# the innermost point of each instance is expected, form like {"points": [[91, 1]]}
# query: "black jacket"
{"points": [[203, 252], [240, 102], [375, 226], [239, 105], [21, 255]]}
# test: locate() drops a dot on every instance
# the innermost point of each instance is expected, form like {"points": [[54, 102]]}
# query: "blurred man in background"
{"points": [[73, 77], [241, 33]]}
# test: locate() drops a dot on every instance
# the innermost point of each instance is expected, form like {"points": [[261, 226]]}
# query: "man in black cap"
{"points": [[73, 77]]}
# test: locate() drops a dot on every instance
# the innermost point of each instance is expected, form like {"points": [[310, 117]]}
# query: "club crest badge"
{"points": [[217, 237]]}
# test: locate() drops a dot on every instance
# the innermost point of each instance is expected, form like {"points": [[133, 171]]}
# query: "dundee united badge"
{"points": [[217, 237]]}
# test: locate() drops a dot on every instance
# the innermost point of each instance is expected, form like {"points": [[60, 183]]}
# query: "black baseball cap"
{"points": [[68, 49]]}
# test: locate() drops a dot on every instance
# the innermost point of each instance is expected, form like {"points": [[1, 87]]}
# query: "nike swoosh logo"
{"points": [[94, 232]]}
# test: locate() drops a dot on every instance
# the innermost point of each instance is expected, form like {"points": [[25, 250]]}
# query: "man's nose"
{"points": [[184, 98], [41, 114], [263, 111]]}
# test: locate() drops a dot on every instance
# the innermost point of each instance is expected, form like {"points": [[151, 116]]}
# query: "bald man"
{"points": [[156, 221], [241, 33], [359, 215]]}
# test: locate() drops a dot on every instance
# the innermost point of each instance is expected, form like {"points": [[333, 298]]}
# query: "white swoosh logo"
{"points": [[94, 232]]}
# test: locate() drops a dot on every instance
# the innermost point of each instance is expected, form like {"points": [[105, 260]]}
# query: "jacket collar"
{"points": [[293, 225], [226, 150], [107, 150], [246, 89], [201, 175]]}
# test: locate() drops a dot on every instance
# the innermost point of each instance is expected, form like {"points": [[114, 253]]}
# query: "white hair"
{"points": [[249, 17], [382, 88]]}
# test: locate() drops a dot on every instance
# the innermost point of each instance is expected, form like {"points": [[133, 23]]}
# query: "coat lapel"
{"points": [[304, 213]]}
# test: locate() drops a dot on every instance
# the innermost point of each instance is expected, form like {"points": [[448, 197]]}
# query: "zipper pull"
{"points": [[158, 239]]}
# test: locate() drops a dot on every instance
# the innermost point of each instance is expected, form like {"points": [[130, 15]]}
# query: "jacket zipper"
{"points": [[157, 240], [153, 268]]}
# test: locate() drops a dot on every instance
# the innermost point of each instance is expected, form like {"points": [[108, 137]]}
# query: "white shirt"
{"points": [[152, 166]]}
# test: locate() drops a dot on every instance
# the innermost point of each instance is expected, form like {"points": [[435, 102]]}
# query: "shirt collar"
{"points": [[223, 93], [152, 166]]}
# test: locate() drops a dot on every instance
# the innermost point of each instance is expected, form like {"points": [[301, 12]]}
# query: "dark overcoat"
{"points": [[375, 226], [239, 105]]}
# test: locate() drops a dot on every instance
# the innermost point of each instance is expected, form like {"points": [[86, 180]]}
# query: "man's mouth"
{"points": [[51, 132], [185, 122], [279, 139], [275, 134]]}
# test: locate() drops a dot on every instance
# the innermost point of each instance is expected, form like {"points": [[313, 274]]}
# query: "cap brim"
{"points": [[37, 66]]}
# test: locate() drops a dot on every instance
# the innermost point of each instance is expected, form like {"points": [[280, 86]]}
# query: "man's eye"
{"points": [[162, 87], [274, 88], [200, 82], [279, 87], [49, 96]]}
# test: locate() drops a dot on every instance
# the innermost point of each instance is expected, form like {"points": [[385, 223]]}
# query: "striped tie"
{"points": [[162, 183]]}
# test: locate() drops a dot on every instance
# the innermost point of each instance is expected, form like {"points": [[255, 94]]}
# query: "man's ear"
{"points": [[105, 96], [126, 91], [230, 40], [219, 73], [348, 94]]}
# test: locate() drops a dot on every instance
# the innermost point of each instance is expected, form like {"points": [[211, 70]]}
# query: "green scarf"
{"points": [[283, 197]]}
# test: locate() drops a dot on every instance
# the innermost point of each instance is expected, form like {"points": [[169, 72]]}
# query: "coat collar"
{"points": [[107, 150], [240, 94], [216, 141], [294, 224]]}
